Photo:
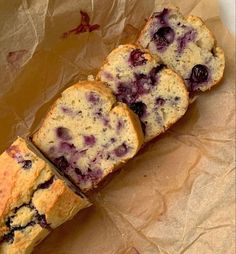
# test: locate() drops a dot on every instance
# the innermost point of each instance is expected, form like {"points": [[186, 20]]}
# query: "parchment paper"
{"points": [[178, 194]]}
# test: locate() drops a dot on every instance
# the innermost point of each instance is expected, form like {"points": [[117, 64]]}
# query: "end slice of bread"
{"points": [[186, 45]]}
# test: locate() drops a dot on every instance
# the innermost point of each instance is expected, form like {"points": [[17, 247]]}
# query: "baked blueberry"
{"points": [[63, 133], [62, 163], [164, 37], [26, 164], [137, 58], [199, 74], [121, 150], [139, 108]]}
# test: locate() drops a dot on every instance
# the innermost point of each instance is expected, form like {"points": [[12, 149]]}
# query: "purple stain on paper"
{"points": [[13, 57], [83, 27]]}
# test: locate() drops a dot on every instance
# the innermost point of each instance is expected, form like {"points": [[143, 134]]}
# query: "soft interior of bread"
{"points": [[199, 47], [98, 135], [167, 99]]}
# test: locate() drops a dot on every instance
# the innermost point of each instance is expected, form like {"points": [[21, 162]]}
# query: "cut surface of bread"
{"points": [[33, 201], [156, 94], [87, 135], [185, 45]]}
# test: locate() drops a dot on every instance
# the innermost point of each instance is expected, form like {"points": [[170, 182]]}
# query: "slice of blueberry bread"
{"points": [[87, 135], [156, 94], [185, 45], [33, 200]]}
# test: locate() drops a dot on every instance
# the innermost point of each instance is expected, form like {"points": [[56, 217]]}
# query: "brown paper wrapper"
{"points": [[178, 194]]}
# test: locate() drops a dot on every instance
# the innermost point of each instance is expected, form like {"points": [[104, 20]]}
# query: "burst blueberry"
{"points": [[139, 108], [63, 133], [121, 150], [61, 162], [89, 140], [136, 58], [26, 164], [164, 37]]}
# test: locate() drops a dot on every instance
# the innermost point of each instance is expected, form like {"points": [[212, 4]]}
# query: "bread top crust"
{"points": [[29, 190]]}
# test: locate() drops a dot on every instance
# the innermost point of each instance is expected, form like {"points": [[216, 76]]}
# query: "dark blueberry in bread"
{"points": [[121, 150], [199, 74], [144, 83], [41, 220], [63, 133], [177, 98], [154, 71], [26, 164], [67, 147], [62, 163], [120, 125], [160, 101], [9, 238], [127, 94], [164, 37], [89, 140], [139, 108], [113, 140], [90, 176], [136, 58], [162, 16], [93, 98], [46, 184]]}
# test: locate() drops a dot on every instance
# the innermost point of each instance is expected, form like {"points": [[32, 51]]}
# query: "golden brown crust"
{"points": [[93, 86], [63, 203], [28, 182], [25, 241]]}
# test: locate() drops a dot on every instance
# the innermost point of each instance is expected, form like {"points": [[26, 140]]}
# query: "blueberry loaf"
{"points": [[185, 45], [87, 135], [155, 93], [33, 201]]}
